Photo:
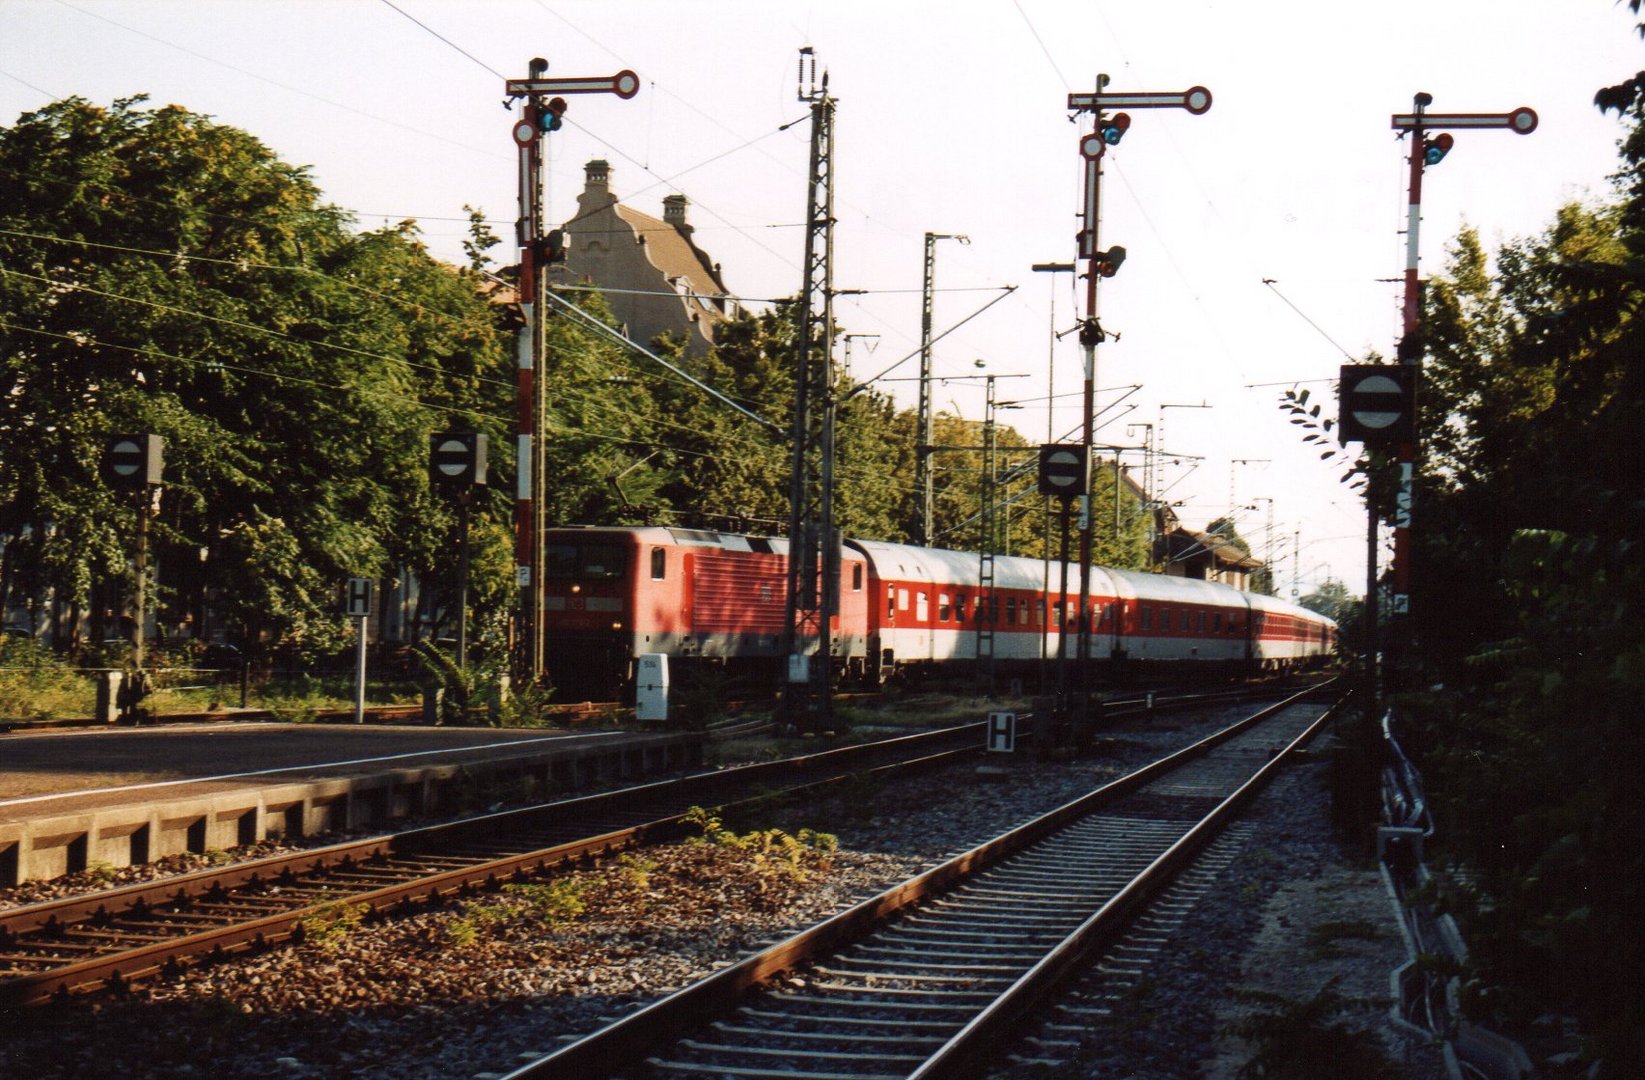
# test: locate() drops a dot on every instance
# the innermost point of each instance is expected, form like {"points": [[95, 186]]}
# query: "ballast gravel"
{"points": [[484, 983]]}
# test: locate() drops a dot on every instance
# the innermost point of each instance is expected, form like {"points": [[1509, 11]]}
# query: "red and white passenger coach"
{"points": [[704, 597]]}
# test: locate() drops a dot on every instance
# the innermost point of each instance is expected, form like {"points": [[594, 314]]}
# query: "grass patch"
{"points": [[1323, 939], [1305, 1040]]}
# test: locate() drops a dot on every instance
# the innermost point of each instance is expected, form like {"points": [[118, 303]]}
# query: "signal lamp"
{"points": [[548, 119], [1110, 261], [1435, 149], [1115, 127]]}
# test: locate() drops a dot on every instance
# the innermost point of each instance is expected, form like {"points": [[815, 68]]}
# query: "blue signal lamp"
{"points": [[1114, 129], [549, 117], [1435, 149]]}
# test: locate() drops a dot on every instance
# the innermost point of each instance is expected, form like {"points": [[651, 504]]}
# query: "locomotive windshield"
{"points": [[599, 562]]}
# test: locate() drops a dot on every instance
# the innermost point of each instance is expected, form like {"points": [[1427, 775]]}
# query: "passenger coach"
{"points": [[703, 597]]}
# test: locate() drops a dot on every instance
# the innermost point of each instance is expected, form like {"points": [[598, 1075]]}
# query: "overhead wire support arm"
{"points": [[1005, 290]]}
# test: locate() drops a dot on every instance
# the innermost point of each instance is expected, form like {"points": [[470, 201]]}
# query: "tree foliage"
{"points": [[1530, 592], [164, 273], [161, 272]]}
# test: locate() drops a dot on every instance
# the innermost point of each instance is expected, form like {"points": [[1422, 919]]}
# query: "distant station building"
{"points": [[1189, 553], [654, 276]]}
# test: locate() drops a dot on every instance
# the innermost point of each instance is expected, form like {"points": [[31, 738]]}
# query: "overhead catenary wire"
{"points": [[236, 323], [617, 335], [276, 83], [87, 341]]}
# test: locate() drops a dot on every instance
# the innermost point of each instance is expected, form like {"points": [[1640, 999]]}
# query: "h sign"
{"points": [[1378, 403], [1002, 732], [457, 459], [357, 601], [1065, 469]]}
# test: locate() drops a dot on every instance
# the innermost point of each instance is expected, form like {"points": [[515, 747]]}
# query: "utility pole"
{"points": [[923, 481], [987, 549], [813, 547], [1233, 464], [540, 115], [1107, 131], [1268, 541], [845, 366], [1425, 152], [1050, 437]]}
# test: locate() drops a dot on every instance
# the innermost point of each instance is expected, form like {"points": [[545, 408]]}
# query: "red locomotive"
{"points": [[705, 597]]}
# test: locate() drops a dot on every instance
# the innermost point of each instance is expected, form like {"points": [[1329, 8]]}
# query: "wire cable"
{"points": [[85, 341], [238, 324], [447, 40]]}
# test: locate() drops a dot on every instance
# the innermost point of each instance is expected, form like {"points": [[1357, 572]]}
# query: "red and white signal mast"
{"points": [[1425, 151], [541, 114], [1108, 131]]}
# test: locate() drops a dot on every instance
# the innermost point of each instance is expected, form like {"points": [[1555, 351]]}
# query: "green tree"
{"points": [[162, 272], [1530, 594]]}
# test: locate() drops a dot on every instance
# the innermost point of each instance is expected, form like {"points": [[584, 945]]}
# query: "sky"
{"points": [[952, 118]]}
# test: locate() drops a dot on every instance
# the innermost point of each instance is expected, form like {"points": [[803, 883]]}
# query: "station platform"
{"points": [[74, 799]]}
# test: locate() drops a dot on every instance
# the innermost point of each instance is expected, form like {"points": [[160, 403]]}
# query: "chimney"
{"points": [[674, 208], [597, 182]]}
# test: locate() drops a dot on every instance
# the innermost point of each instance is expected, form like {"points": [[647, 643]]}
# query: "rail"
{"points": [[624, 1043]]}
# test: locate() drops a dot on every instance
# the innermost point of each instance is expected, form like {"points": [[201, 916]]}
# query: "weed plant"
{"points": [[329, 925]]}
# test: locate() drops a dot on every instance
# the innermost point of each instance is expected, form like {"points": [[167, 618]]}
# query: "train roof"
{"points": [[941, 566], [664, 535], [1264, 602], [1177, 590]]}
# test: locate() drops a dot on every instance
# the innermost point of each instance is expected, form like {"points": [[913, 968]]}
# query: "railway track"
{"points": [[933, 976], [109, 939]]}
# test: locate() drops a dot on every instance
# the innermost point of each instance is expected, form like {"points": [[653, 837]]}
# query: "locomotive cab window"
{"points": [[599, 562], [856, 577], [659, 563]]}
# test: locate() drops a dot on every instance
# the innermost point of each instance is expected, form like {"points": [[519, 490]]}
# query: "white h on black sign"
{"points": [[1002, 732]]}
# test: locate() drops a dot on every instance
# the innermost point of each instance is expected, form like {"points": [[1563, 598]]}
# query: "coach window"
{"points": [[1216, 623], [1147, 618], [1039, 612], [902, 599], [659, 563], [923, 611], [1010, 611], [943, 609], [890, 601], [856, 577], [959, 608]]}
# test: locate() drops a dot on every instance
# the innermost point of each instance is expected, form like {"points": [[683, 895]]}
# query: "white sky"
{"points": [[951, 119]]}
